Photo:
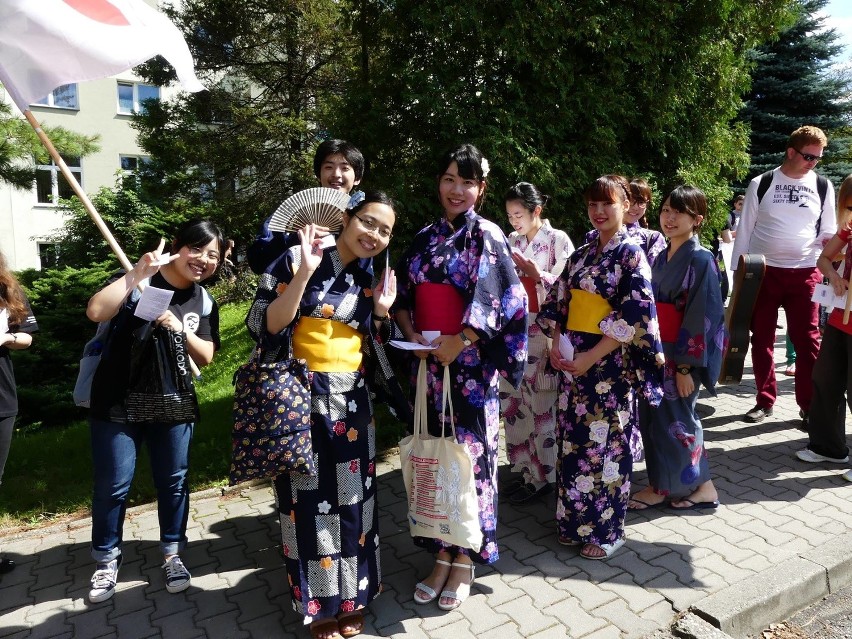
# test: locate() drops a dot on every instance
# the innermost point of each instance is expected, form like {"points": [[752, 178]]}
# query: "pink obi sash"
{"points": [[532, 293], [670, 320], [438, 307]]}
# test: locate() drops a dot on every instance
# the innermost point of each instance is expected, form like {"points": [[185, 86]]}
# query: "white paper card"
{"points": [[566, 349], [431, 335], [410, 346], [164, 259], [153, 303], [4, 321], [327, 241], [824, 295]]}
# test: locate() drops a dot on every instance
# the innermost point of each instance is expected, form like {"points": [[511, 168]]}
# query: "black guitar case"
{"points": [[747, 281]]}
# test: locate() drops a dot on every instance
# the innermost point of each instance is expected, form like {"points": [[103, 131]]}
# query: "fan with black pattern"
{"points": [[319, 205]]}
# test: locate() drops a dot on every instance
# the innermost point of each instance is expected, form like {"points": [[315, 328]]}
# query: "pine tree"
{"points": [[793, 84]]}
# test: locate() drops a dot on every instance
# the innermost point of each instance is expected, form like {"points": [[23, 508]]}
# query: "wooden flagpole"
{"points": [[78, 191]]}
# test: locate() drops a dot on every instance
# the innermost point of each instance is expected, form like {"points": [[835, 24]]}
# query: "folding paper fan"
{"points": [[320, 205]]}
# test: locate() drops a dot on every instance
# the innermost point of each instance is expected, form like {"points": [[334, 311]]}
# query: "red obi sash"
{"points": [[532, 293], [438, 307], [670, 320]]}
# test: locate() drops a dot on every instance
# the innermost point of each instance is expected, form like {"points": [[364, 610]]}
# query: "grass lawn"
{"points": [[49, 472]]}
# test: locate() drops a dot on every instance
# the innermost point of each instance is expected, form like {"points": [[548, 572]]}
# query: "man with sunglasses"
{"points": [[787, 219]]}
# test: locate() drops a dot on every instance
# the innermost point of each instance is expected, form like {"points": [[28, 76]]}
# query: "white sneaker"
{"points": [[177, 576], [807, 455], [847, 475], [104, 579]]}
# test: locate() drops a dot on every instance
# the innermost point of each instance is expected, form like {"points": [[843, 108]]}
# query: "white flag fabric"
{"points": [[47, 43]]}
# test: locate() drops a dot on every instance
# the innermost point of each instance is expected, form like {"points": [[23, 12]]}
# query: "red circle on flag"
{"points": [[99, 10]]}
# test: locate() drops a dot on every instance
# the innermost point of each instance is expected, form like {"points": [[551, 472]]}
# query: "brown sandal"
{"points": [[322, 626], [353, 620]]}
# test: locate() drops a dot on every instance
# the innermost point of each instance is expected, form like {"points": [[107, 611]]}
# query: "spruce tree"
{"points": [[793, 84]]}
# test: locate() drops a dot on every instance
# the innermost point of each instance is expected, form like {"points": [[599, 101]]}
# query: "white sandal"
{"points": [[462, 593], [609, 549], [432, 595]]}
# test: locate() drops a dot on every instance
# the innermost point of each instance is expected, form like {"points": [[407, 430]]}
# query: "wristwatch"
{"points": [[464, 338], [684, 370]]}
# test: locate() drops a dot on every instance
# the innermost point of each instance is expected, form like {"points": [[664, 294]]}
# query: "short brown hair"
{"points": [[640, 191], [805, 135]]}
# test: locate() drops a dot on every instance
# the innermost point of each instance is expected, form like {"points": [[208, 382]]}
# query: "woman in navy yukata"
{"points": [[692, 325], [324, 301], [604, 305], [458, 277]]}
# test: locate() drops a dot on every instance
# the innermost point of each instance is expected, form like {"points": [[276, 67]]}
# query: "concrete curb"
{"points": [[747, 607]]}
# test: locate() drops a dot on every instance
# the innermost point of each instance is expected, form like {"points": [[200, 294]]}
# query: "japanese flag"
{"points": [[48, 43]]}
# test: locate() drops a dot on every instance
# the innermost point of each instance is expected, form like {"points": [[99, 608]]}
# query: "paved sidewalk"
{"points": [[780, 540]]}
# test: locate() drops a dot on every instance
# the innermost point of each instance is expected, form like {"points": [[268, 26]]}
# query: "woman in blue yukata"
{"points": [[604, 306], [692, 325], [323, 300], [458, 278]]}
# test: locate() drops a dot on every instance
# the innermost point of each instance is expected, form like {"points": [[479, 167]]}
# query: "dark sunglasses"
{"points": [[808, 157]]}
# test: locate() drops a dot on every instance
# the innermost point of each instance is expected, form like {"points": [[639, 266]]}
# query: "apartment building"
{"points": [[103, 107]]}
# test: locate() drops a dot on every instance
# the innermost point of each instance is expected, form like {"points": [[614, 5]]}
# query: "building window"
{"points": [[48, 255], [51, 185], [64, 97], [132, 97]]}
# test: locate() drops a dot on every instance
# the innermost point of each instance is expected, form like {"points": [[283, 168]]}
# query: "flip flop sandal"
{"points": [[608, 549], [352, 619], [324, 626], [696, 505]]}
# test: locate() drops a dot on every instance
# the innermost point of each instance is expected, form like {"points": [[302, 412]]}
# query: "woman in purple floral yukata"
{"points": [[458, 278], [604, 305]]}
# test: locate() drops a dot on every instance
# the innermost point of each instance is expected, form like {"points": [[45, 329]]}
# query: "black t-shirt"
{"points": [[192, 306], [8, 392]]}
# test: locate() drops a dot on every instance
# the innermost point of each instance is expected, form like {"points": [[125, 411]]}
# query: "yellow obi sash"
{"points": [[585, 311], [327, 345]]}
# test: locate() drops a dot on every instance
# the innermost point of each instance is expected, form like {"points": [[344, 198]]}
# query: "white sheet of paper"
{"points": [[153, 303], [165, 258], [431, 335], [4, 321], [410, 346], [824, 295], [387, 271], [566, 349], [327, 241]]}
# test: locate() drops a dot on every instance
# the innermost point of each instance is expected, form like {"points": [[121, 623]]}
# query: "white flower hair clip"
{"points": [[485, 167], [355, 199]]}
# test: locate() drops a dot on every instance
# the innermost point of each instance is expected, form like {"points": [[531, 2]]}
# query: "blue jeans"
{"points": [[114, 451]]}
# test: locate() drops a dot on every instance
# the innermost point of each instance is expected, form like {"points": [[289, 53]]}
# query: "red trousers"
{"points": [[790, 289]]}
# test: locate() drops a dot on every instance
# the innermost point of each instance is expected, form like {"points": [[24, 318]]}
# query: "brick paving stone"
{"points": [[267, 627], [609, 632], [585, 590], [509, 631], [619, 614], [135, 625], [92, 625], [674, 591], [222, 626], [637, 569], [496, 590], [541, 593], [432, 618], [522, 547], [179, 625], [552, 567], [574, 617], [637, 599], [523, 613]]}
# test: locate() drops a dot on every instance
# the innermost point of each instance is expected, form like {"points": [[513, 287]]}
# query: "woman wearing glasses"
{"points": [[323, 302], [116, 437], [458, 279], [602, 303], [539, 252]]}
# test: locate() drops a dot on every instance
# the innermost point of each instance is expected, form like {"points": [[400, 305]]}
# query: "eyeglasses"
{"points": [[371, 227], [808, 157], [211, 256]]}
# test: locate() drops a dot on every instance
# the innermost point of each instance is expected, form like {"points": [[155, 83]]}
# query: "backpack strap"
{"points": [[822, 191], [763, 186]]}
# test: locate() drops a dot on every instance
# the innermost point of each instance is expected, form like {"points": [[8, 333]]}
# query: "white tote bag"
{"points": [[438, 475]]}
